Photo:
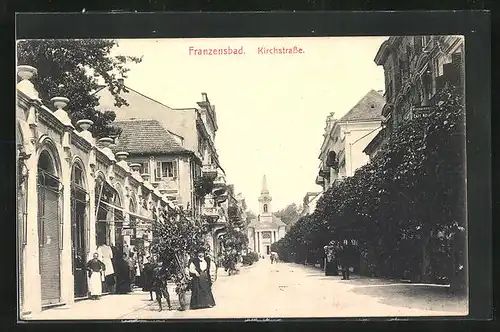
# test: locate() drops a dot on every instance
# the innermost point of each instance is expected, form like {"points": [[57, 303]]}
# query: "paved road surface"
{"points": [[281, 290]]}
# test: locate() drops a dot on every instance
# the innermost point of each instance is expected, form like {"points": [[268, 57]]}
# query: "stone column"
{"points": [[92, 213], [258, 242], [32, 287], [32, 282], [90, 243], [66, 257], [254, 240]]}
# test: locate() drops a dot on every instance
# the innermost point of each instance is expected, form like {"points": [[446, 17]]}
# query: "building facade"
{"points": [[73, 193], [267, 228], [309, 203], [176, 150], [345, 139], [415, 69]]}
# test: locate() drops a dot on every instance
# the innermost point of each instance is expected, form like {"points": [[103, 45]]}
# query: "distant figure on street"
{"points": [[96, 270], [345, 261], [106, 255], [331, 264], [159, 284], [139, 267], [202, 270], [123, 275], [131, 263], [274, 258], [147, 274]]}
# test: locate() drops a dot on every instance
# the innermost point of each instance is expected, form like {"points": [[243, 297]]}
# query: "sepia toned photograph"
{"points": [[241, 178]]}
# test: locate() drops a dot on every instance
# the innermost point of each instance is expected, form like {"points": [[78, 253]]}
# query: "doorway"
{"points": [[79, 231], [79, 248], [268, 250], [49, 229]]}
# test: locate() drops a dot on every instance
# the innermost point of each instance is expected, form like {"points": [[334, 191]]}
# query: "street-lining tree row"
{"points": [[406, 208]]}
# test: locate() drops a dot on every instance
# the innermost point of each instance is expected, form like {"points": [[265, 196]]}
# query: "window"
{"points": [[165, 170], [77, 175], [145, 167], [265, 207]]}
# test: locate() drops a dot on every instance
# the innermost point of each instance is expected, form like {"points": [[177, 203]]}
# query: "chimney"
{"points": [[204, 96]]}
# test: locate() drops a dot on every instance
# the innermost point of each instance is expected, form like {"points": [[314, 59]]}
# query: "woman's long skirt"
{"points": [[201, 292], [95, 284], [331, 268]]}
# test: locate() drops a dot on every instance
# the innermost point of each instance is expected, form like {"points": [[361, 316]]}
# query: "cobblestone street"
{"points": [[283, 290]]}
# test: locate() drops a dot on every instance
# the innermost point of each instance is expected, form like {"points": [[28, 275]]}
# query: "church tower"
{"points": [[265, 210], [266, 229]]}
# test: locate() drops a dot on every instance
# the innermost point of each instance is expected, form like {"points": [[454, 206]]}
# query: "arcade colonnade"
{"points": [[72, 194]]}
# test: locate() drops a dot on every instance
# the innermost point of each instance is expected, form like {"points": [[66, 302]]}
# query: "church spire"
{"points": [[264, 186]]}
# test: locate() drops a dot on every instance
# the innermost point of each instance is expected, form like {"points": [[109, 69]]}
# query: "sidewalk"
{"points": [[113, 306], [122, 306]]}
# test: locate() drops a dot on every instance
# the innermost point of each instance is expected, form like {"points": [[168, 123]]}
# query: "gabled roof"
{"points": [[368, 108], [146, 137]]}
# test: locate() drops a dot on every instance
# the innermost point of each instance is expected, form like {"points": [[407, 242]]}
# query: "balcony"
{"points": [[324, 173], [209, 172], [220, 186], [210, 211]]}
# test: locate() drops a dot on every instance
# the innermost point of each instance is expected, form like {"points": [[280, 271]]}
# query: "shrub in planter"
{"points": [[248, 260], [253, 256]]}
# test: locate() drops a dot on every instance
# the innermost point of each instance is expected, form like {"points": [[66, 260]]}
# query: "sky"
{"points": [[271, 109]]}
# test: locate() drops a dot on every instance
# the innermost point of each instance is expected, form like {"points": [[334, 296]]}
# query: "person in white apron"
{"points": [[96, 271], [105, 256]]}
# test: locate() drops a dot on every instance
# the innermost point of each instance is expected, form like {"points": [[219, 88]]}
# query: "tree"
{"points": [[289, 215], [174, 237], [250, 216], [73, 69]]}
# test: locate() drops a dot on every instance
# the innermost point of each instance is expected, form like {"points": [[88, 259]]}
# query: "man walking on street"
{"points": [[345, 261]]}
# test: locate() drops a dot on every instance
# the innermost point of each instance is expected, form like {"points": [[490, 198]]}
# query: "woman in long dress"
{"points": [[202, 270], [123, 275], [96, 270], [147, 274]]}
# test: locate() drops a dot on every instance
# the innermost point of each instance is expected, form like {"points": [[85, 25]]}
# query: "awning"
{"points": [[130, 213]]}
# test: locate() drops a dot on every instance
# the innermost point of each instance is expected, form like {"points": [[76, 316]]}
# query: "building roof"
{"points": [[146, 137], [276, 223], [368, 108]]}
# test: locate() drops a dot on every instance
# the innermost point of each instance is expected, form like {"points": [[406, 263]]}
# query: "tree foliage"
{"points": [[75, 69], [174, 237], [406, 208], [290, 214]]}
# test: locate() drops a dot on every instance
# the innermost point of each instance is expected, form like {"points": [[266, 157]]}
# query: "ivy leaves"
{"points": [[415, 183]]}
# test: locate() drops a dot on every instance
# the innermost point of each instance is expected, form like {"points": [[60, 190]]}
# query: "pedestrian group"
{"points": [[118, 274]]}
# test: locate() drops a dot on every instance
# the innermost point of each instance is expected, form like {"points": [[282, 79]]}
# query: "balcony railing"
{"points": [[210, 211]]}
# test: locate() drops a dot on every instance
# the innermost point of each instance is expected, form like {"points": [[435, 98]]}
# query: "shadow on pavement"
{"points": [[426, 297]]}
